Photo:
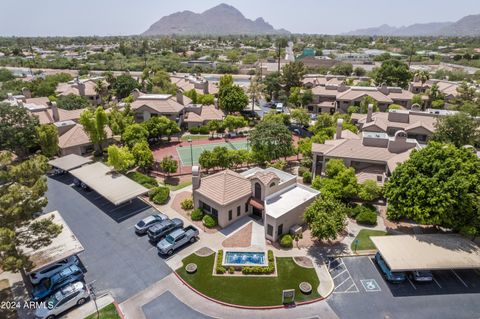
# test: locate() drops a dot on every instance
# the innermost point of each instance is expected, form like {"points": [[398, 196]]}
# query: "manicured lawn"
{"points": [[178, 186], [195, 137], [108, 312], [7, 296], [248, 290], [363, 237]]}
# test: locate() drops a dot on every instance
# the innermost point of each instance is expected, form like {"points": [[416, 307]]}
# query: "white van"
{"points": [[279, 107]]}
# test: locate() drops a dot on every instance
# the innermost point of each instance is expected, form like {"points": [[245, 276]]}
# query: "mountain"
{"points": [[466, 26], [220, 20]]}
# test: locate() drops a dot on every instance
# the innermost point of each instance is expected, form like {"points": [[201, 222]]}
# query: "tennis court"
{"points": [[185, 153]]}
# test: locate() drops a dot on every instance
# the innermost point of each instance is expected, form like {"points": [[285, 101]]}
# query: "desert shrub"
{"points": [[307, 177], [286, 241], [187, 204], [142, 179], [197, 214], [159, 195], [209, 221]]}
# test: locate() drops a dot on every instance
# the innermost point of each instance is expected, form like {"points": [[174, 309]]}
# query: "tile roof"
{"points": [[76, 136], [264, 177], [168, 105], [425, 121], [225, 187], [354, 94], [46, 116]]}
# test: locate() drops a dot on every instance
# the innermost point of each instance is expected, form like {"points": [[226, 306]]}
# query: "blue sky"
{"points": [[124, 17]]}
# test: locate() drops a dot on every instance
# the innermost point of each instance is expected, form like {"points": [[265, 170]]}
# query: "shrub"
{"points": [[159, 195], [203, 129], [369, 191], [219, 269], [231, 270], [194, 130], [142, 179], [286, 241], [307, 177], [187, 204], [249, 270], [367, 217], [197, 214], [209, 221]]}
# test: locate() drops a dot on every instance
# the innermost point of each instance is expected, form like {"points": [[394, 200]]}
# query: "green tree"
{"points": [[120, 158], [143, 155], [159, 126], [272, 85], [94, 123], [255, 90], [271, 140], [118, 119], [206, 160], [292, 75], [124, 85], [17, 129], [168, 165], [22, 189], [233, 99], [417, 99], [459, 129], [305, 147], [369, 191], [438, 185], [234, 122], [365, 102], [214, 126], [422, 75], [225, 81], [394, 73], [326, 218], [359, 71], [6, 75], [273, 116], [135, 133], [48, 139], [340, 182], [72, 102], [300, 116], [343, 68]]}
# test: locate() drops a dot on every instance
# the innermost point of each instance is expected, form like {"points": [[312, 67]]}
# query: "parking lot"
{"points": [[453, 294], [115, 258]]}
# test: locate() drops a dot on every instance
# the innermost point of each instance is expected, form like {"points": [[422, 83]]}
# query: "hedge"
{"points": [[197, 214], [199, 130], [219, 268], [367, 217], [160, 195], [187, 204], [251, 270], [209, 221], [144, 180], [286, 241], [307, 177]]}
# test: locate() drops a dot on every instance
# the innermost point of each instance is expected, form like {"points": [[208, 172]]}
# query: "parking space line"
{"points": [[342, 264], [463, 282], [131, 214], [437, 282], [411, 283], [344, 282], [354, 286], [339, 274]]}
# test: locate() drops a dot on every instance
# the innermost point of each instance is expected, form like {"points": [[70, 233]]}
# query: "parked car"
{"points": [[421, 275], [393, 277], [177, 239], [279, 108], [160, 230], [299, 130], [57, 281], [39, 275], [142, 226], [76, 293]]}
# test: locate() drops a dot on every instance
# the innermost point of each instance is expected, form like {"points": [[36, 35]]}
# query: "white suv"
{"points": [[76, 293], [47, 272]]}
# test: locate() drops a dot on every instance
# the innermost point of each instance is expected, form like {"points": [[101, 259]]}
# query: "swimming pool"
{"points": [[245, 258]]}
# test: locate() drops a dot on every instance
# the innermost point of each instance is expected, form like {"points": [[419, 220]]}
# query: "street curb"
{"points": [[245, 307], [358, 254], [119, 310]]}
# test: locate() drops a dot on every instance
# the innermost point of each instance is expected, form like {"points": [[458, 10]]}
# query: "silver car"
{"points": [[421, 275], [37, 276], [76, 293], [142, 226]]}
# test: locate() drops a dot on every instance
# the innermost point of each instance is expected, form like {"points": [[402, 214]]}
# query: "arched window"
{"points": [[272, 184], [258, 191]]}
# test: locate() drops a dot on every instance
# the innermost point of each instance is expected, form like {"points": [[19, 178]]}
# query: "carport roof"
{"points": [[115, 187], [428, 252], [63, 246], [69, 162]]}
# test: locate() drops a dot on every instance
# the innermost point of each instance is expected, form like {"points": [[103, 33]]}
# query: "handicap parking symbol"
{"points": [[370, 285]]}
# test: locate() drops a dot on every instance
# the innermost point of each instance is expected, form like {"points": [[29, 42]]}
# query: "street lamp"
{"points": [[248, 146], [191, 149]]}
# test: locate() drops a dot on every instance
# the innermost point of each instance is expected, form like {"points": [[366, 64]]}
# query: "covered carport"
{"points": [[428, 252], [66, 244], [69, 162], [113, 186]]}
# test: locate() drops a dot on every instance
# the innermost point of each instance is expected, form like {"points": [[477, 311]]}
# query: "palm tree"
{"points": [[255, 90], [101, 88], [422, 75]]}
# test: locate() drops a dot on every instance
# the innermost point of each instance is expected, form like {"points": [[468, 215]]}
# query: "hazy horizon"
{"points": [[125, 17]]}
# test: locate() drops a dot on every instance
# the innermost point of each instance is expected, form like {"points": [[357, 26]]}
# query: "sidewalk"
{"points": [[89, 308]]}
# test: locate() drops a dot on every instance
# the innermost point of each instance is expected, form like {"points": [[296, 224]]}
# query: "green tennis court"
{"points": [[185, 153]]}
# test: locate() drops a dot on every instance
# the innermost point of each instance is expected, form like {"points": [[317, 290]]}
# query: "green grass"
{"points": [[364, 241], [7, 296], [108, 312], [178, 186], [142, 179], [250, 290], [195, 137]]}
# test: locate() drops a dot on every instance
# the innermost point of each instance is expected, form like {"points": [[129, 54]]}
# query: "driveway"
{"points": [[362, 292]]}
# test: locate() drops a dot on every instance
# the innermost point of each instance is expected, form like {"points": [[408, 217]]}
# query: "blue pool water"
{"points": [[244, 258]]}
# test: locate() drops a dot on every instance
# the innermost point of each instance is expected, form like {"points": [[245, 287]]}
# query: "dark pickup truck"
{"points": [[160, 230]]}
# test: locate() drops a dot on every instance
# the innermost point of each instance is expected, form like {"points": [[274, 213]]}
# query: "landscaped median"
{"points": [[249, 290]]}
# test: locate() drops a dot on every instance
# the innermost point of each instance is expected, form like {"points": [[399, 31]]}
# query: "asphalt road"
{"points": [[361, 292], [167, 306]]}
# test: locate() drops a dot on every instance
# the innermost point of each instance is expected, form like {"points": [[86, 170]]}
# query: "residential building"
{"points": [[74, 139], [147, 105], [198, 114], [190, 82], [81, 87], [270, 195], [373, 155]]}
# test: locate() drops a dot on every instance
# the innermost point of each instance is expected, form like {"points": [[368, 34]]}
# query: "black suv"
{"points": [[160, 230]]}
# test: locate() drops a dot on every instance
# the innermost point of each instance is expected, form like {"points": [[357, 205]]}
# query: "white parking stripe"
{"points": [[411, 283], [352, 286], [437, 282], [463, 282], [339, 274], [344, 282]]}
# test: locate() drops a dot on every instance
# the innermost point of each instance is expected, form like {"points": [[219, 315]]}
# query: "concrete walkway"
{"points": [[132, 308], [258, 234]]}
